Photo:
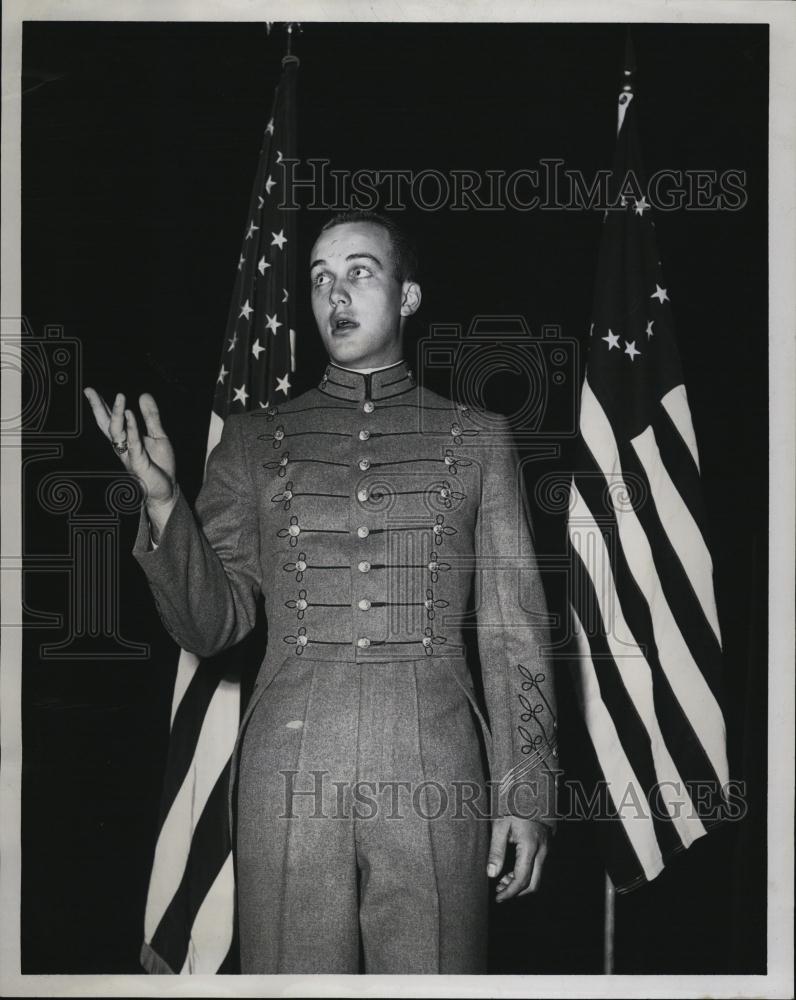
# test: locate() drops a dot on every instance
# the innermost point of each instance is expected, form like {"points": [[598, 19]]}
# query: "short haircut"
{"points": [[404, 253]]}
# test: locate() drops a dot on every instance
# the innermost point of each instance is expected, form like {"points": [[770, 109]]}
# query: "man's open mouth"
{"points": [[344, 323]]}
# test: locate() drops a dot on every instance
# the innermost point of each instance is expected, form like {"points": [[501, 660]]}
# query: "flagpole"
{"points": [[609, 890], [609, 922]]}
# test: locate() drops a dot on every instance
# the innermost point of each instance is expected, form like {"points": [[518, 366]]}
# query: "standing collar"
{"points": [[347, 384]]}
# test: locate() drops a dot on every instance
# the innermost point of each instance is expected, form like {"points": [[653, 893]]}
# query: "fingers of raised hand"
{"points": [[100, 409], [151, 415], [134, 445], [117, 422]]}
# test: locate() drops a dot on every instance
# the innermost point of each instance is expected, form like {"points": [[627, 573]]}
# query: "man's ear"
{"points": [[410, 298]]}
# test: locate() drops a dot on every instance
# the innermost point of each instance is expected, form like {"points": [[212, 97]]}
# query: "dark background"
{"points": [[139, 146]]}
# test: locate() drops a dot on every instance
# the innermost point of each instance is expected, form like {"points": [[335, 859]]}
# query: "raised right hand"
{"points": [[151, 458]]}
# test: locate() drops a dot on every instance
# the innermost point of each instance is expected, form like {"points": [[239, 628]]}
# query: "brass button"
{"points": [[279, 434], [362, 495], [301, 604], [433, 566], [301, 565], [364, 435], [369, 406], [303, 640], [364, 464], [363, 531], [364, 642], [294, 530], [364, 605], [364, 566], [426, 640]]}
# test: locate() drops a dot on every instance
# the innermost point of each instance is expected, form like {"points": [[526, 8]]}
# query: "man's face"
{"points": [[357, 300]]}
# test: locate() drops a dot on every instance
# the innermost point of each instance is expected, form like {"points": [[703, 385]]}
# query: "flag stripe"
{"points": [[677, 591], [683, 532], [186, 730], [208, 855], [212, 930], [636, 676], [186, 670], [614, 762], [679, 464], [675, 402], [173, 849]]}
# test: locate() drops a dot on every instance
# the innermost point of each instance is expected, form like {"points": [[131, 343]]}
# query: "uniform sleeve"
{"points": [[513, 642], [205, 573]]}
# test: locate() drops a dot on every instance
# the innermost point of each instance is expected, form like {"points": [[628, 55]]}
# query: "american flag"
{"points": [[190, 910], [647, 669]]}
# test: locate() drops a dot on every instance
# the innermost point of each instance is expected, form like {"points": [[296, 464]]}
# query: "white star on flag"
{"points": [[612, 340], [252, 230], [630, 349], [272, 322], [279, 156], [222, 375], [263, 406], [241, 262], [263, 264], [641, 206], [241, 395], [279, 239], [246, 310], [257, 349], [283, 384], [233, 340], [649, 328], [659, 294], [269, 128], [284, 296], [269, 184], [260, 201], [591, 329]]}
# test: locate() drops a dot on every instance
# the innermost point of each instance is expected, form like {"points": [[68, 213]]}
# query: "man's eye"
{"points": [[320, 279], [361, 271]]}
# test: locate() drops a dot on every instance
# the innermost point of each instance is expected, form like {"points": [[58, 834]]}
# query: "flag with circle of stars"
{"points": [[258, 353], [647, 663]]}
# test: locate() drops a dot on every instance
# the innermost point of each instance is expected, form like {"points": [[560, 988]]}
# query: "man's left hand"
{"points": [[531, 841]]}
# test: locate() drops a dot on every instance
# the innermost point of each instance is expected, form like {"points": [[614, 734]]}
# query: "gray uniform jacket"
{"points": [[379, 521]]}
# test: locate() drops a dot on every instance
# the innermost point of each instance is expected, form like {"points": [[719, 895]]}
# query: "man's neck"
{"points": [[368, 371]]}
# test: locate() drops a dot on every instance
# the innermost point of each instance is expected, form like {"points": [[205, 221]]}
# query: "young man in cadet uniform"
{"points": [[363, 511]]}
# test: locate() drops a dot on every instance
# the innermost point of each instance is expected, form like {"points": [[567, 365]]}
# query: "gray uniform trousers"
{"points": [[353, 786]]}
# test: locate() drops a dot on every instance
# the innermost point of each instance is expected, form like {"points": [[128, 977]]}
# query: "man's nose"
{"points": [[338, 293]]}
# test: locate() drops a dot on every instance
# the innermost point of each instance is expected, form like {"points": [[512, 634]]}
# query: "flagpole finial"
{"points": [[629, 72], [290, 27]]}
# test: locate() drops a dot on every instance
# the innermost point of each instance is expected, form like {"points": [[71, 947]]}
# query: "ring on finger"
{"points": [[120, 447]]}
